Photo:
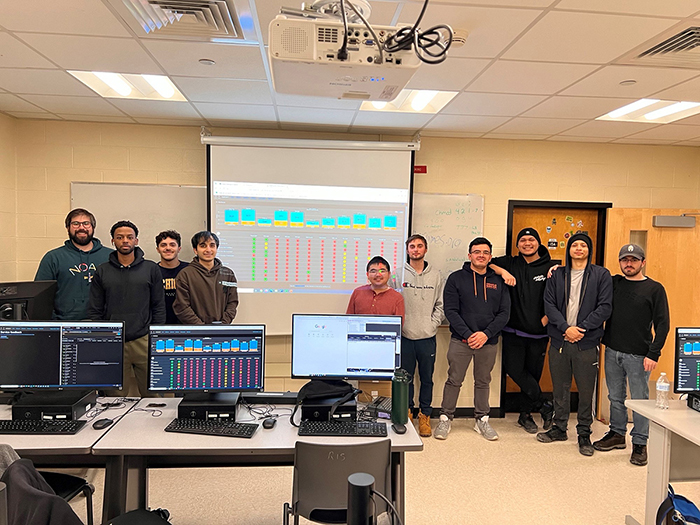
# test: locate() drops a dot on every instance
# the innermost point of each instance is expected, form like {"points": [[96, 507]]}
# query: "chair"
{"points": [[142, 517], [3, 504], [320, 487], [67, 486]]}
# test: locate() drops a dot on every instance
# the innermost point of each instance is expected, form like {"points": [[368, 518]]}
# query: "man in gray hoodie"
{"points": [[422, 296]]}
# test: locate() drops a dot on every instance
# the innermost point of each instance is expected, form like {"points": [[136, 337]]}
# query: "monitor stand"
{"points": [[65, 404], [208, 406]]}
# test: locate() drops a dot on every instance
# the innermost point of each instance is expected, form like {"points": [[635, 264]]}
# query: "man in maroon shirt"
{"points": [[376, 297]]}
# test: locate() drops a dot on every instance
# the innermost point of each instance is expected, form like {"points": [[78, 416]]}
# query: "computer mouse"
{"points": [[102, 423], [398, 428], [269, 422]]}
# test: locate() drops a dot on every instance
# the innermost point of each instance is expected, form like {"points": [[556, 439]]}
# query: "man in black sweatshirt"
{"points": [[477, 306], [129, 288], [577, 301], [631, 352], [525, 336]]}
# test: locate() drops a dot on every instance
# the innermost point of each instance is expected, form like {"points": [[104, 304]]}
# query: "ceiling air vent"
{"points": [[673, 48]]}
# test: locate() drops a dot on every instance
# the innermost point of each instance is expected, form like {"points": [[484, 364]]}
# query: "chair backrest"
{"points": [[321, 471], [3, 504]]}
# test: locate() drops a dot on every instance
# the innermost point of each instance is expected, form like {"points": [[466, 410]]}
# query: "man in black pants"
{"points": [[525, 337], [578, 300]]}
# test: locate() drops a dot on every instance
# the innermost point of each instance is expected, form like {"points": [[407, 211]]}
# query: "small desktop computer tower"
{"points": [[54, 405]]}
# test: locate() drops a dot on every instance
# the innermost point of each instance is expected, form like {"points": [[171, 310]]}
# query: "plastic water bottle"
{"points": [[662, 390]]}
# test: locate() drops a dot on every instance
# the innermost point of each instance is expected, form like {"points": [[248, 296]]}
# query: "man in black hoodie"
{"points": [[578, 300], [525, 337], [129, 288], [477, 306]]}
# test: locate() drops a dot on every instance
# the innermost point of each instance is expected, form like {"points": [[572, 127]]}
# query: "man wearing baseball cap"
{"points": [[631, 350]]}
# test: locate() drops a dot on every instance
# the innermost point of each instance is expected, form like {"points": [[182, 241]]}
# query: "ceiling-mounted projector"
{"points": [[304, 60]]}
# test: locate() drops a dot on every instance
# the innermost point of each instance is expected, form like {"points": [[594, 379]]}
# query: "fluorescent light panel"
{"points": [[653, 111], [123, 85], [413, 101]]}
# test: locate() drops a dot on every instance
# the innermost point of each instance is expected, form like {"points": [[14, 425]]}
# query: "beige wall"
{"points": [[8, 241]]}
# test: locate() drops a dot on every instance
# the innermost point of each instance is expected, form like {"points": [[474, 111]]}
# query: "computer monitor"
{"points": [[37, 355], [27, 300], [206, 358], [687, 361], [345, 346]]}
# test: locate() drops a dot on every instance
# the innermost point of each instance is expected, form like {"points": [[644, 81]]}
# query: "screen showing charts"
{"points": [[687, 373], [210, 358], [345, 346], [71, 354]]}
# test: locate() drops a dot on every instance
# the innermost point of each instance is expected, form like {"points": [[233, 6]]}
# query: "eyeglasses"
{"points": [[479, 252], [75, 224], [375, 272]]}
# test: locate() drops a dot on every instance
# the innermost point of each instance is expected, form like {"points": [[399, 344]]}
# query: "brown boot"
{"points": [[424, 429]]}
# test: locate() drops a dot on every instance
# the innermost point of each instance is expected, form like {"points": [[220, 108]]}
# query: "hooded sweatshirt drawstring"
{"points": [[475, 292]]}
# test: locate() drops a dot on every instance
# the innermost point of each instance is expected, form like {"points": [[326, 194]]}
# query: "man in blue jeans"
{"points": [[631, 351]]}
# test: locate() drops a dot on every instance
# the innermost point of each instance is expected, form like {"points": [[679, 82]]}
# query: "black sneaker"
{"points": [[553, 434], [639, 455], [547, 413], [610, 441], [584, 445], [526, 421]]}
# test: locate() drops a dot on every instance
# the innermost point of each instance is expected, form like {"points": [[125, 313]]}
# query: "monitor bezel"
{"points": [[69, 387], [261, 388], [346, 377], [677, 358]]}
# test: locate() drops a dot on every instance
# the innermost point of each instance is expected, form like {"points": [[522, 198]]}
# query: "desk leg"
{"points": [[398, 483], [113, 500], [136, 483], [658, 470]]}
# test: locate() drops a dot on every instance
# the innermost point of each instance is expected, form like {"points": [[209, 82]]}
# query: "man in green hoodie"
{"points": [[73, 265]]}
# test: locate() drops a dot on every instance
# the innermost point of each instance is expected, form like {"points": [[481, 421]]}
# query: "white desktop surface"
{"points": [[679, 419]]}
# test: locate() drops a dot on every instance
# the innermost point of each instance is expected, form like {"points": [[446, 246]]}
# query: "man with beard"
{"points": [[206, 291], [129, 288], [168, 245], [631, 352], [376, 297], [73, 265]]}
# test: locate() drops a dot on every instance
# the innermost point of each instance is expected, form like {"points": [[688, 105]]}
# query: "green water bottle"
{"points": [[399, 396]]}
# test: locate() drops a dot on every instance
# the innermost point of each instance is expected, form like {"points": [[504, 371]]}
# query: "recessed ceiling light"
{"points": [[207, 62], [634, 106], [123, 85], [628, 82], [413, 101], [653, 111], [671, 110]]}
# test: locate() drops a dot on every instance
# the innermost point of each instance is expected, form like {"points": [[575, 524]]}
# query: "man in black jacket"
{"points": [[525, 336], [129, 288], [578, 300]]}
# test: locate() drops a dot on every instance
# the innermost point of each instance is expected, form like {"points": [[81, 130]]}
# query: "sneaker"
{"points": [[639, 455], [424, 429], [610, 441], [553, 434], [547, 413], [584, 445], [482, 427], [443, 428], [526, 421]]}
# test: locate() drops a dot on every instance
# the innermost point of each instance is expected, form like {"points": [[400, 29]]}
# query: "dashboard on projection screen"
{"points": [[298, 226]]}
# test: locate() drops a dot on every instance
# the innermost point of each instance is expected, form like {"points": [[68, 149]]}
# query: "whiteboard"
{"points": [[449, 222], [151, 207]]}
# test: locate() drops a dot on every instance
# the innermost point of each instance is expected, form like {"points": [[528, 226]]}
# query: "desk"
{"points": [[673, 449], [139, 442]]}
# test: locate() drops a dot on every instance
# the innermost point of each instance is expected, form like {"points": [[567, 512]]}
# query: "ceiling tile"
{"points": [[156, 108], [224, 90], [673, 132], [514, 136], [603, 128], [41, 116], [452, 134], [403, 122], [243, 124], [295, 126], [678, 8], [538, 126], [463, 123], [12, 103], [338, 117], [247, 112], [505, 3], [232, 61], [88, 53], [564, 138], [452, 75], [494, 104], [606, 82], [689, 91], [170, 121], [17, 54], [491, 30], [73, 105], [42, 82], [643, 141], [576, 107], [94, 118], [80, 17], [585, 37], [690, 121], [284, 99], [536, 78]]}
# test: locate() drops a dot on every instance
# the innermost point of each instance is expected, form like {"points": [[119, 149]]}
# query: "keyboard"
{"points": [[380, 407], [212, 427], [43, 426], [343, 428]]}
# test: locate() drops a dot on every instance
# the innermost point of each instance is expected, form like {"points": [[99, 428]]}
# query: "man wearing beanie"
{"points": [[631, 352], [525, 336], [578, 300]]}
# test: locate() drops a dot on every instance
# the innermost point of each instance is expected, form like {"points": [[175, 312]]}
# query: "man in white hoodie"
{"points": [[422, 295]]}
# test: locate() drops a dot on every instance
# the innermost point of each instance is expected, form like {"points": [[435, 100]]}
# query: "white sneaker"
{"points": [[482, 427], [443, 428]]}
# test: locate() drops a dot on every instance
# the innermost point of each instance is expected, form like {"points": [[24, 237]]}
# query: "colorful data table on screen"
{"points": [[389, 222], [313, 224], [344, 222], [297, 219], [328, 222], [248, 217], [264, 222], [281, 218], [231, 217], [375, 223], [359, 221]]}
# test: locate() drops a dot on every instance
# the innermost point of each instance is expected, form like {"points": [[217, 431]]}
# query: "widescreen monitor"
{"points": [[206, 358], [345, 346], [687, 360], [27, 300], [61, 355]]}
